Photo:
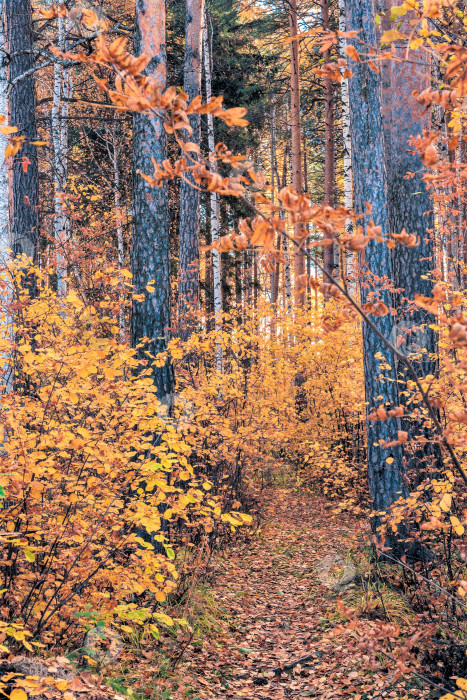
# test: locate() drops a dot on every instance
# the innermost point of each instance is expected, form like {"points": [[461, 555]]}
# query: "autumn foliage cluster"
{"points": [[111, 488]]}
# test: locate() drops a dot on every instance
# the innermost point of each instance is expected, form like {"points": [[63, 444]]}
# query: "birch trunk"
{"points": [[347, 151], [215, 205], [441, 219], [114, 153], [59, 139]]}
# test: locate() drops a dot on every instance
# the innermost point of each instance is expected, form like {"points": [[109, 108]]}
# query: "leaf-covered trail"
{"points": [[278, 611]]}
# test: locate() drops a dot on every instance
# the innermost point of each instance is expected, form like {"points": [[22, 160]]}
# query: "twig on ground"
{"points": [[289, 667]]}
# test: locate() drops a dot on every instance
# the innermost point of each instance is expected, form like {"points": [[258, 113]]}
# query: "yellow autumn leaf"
{"points": [[110, 373], [18, 694], [416, 43], [399, 10], [445, 502], [391, 35], [6, 130], [30, 556], [457, 525]]}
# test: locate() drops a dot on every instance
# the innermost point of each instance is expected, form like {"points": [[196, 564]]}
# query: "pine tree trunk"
{"points": [[239, 287], [410, 208], [188, 288], [385, 465], [274, 275], [305, 189], [5, 243], [150, 254], [6, 324], [24, 192], [285, 244], [295, 126], [329, 253], [248, 275], [114, 153]]}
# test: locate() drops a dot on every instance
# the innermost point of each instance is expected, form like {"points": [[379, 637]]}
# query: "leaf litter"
{"points": [[278, 635]]}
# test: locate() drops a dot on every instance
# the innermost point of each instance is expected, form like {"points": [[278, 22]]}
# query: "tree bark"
{"points": [[329, 253], [188, 288], [239, 287], [113, 150], [285, 243], [274, 275], [24, 186], [6, 324], [5, 243], [385, 465], [296, 140], [347, 151], [305, 189], [150, 254], [60, 147], [411, 208], [215, 205]]}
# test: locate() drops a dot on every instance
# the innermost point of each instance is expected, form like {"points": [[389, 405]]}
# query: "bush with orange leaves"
{"points": [[83, 479]]}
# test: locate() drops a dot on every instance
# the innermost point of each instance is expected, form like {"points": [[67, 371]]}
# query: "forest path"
{"points": [[277, 611]]}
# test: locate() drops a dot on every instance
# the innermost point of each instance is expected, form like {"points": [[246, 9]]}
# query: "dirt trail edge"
{"points": [[276, 640]]}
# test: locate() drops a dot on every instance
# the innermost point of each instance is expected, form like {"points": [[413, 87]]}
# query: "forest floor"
{"points": [[274, 610]]}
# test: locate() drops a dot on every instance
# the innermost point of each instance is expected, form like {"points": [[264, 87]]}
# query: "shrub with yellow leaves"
{"points": [[88, 467], [289, 405]]}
